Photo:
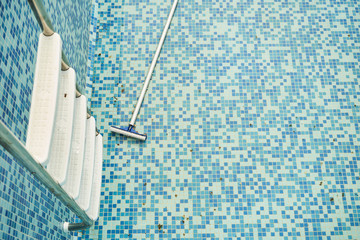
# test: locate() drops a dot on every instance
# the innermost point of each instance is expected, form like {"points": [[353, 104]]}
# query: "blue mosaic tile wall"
{"points": [[27, 209], [92, 48], [18, 45], [252, 118], [71, 19]]}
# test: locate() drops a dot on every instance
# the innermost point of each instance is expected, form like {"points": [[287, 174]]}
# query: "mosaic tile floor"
{"points": [[252, 119]]}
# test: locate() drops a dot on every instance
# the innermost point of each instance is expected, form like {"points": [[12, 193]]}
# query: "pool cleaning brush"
{"points": [[129, 131]]}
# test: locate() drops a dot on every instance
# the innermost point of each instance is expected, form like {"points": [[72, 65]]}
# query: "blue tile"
{"points": [[251, 118]]}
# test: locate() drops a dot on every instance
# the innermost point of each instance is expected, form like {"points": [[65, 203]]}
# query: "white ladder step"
{"points": [[72, 183], [59, 135], [88, 166], [93, 211], [44, 97], [60, 149]]}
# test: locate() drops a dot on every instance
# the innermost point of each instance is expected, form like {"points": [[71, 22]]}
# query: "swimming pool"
{"points": [[251, 117]]}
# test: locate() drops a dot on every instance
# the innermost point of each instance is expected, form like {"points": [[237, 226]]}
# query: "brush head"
{"points": [[129, 132]]}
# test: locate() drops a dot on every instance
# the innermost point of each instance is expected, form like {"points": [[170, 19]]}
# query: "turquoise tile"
{"points": [[251, 117]]}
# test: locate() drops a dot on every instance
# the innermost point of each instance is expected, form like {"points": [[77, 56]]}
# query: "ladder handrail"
{"points": [[17, 149]]}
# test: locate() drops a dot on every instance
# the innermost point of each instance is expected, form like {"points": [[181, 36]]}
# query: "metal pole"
{"points": [[153, 64]]}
